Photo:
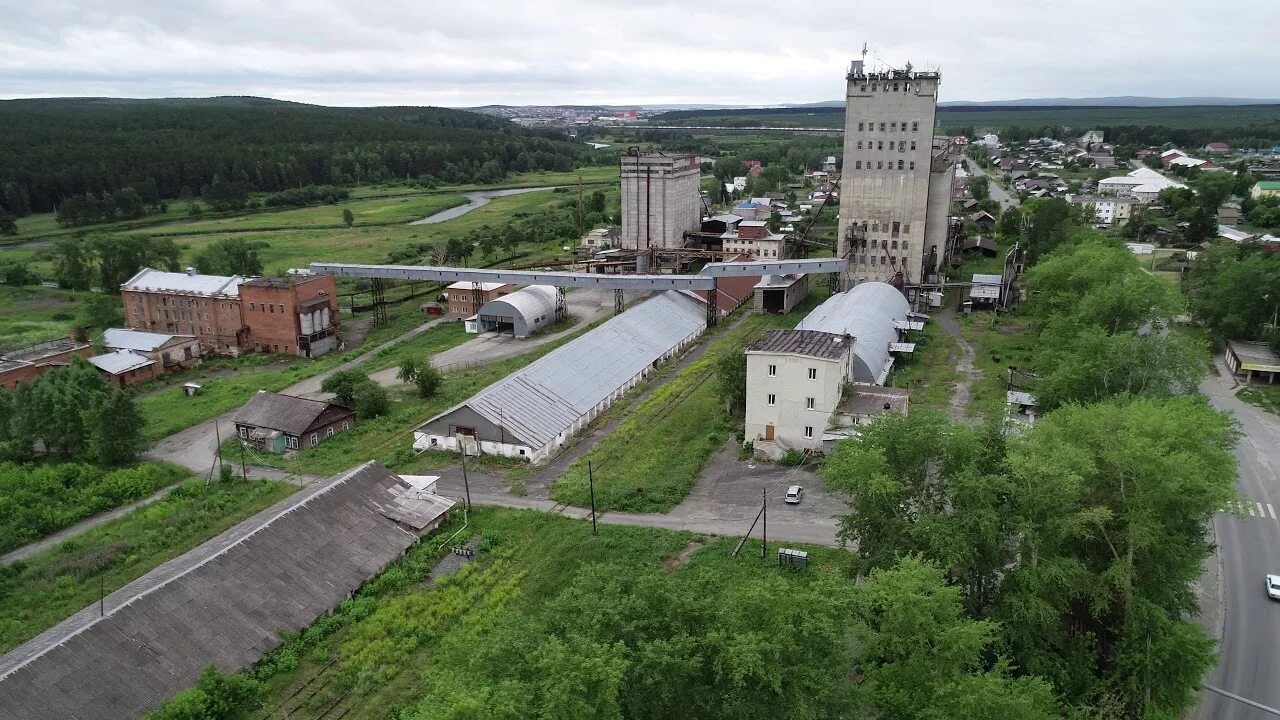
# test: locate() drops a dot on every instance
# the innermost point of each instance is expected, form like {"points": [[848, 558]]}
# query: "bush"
{"points": [[371, 400], [792, 458], [215, 697]]}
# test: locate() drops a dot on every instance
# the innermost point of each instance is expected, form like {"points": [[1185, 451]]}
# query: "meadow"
{"points": [[29, 315]]}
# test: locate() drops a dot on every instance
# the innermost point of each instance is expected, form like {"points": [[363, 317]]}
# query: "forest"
{"points": [[52, 150]]}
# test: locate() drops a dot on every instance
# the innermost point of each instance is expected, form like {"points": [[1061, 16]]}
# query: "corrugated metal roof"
{"points": [[137, 339], [286, 413], [810, 343], [530, 303], [152, 280], [867, 312], [484, 286], [120, 361], [224, 603], [982, 279], [539, 402]]}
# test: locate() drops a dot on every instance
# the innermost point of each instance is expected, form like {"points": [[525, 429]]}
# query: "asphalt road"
{"points": [[1249, 545], [998, 193]]}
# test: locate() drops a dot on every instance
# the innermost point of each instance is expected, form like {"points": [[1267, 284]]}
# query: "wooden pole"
{"points": [[764, 527], [462, 447], [592, 484]]}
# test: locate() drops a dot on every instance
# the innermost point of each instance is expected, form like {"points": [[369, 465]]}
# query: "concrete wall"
{"points": [[880, 196], [660, 200], [793, 295], [791, 388], [935, 232]]}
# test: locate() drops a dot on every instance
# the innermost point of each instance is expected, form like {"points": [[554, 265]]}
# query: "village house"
{"points": [[278, 423]]}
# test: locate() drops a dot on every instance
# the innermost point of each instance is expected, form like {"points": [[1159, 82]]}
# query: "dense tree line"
{"points": [[1234, 291], [72, 413], [53, 151], [110, 260]]}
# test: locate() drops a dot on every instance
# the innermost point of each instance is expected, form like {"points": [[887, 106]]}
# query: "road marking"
{"points": [[1272, 511], [1260, 513]]}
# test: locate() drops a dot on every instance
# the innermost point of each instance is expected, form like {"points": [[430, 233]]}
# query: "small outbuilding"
{"points": [[278, 423], [520, 313], [125, 367], [1244, 358]]}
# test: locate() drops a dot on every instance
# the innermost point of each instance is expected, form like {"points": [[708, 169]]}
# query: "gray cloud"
{"points": [[613, 51]]}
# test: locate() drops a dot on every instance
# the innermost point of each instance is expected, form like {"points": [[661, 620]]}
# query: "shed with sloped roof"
{"points": [[535, 410]]}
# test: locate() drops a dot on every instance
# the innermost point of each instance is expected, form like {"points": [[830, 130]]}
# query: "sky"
{"points": [[465, 53]]}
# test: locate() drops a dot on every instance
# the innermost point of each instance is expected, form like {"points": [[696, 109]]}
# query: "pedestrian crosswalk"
{"points": [[1251, 508]]}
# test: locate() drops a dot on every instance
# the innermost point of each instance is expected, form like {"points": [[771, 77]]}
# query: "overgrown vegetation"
{"points": [[44, 589], [37, 500]]}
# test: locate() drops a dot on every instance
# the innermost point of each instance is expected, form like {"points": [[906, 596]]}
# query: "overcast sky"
{"points": [[474, 52]]}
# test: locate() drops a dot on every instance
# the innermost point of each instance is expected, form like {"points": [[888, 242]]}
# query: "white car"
{"points": [[1273, 587], [795, 492]]}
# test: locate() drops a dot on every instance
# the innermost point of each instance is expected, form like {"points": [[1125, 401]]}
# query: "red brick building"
{"points": [[29, 363], [123, 368], [465, 298], [206, 306], [297, 315]]}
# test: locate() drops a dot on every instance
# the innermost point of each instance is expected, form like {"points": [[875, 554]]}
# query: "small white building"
{"points": [[794, 383]]}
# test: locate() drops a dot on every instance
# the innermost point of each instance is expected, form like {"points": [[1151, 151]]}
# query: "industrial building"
{"points": [[895, 188], [810, 387], [535, 410], [28, 363], [225, 603], [661, 200], [778, 294], [466, 298], [297, 315], [519, 313], [170, 352]]}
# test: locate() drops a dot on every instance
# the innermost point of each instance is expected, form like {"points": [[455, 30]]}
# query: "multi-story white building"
{"points": [[895, 190], [795, 379], [1107, 210], [661, 200]]}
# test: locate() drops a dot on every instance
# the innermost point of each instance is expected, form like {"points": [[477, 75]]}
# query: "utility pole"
{"points": [[592, 484], [102, 596], [764, 527], [462, 447], [244, 469]]}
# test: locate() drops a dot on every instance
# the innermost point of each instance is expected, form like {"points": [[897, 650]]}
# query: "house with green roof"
{"points": [[1266, 188]]}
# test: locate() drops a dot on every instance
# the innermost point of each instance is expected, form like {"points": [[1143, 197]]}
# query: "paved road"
{"points": [[475, 200], [998, 193], [1249, 548]]}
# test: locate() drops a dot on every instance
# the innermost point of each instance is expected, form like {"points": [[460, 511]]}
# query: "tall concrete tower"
{"points": [[660, 200], [895, 186]]}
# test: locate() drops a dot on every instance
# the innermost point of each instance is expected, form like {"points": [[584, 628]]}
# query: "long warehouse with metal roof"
{"points": [[535, 410]]}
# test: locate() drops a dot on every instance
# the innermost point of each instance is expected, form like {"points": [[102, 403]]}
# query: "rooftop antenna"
{"points": [[864, 51]]}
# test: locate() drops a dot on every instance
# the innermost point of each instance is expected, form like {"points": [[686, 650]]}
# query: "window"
{"points": [[864, 87], [772, 398], [880, 145], [893, 126], [808, 403], [281, 307], [903, 125], [291, 442], [315, 439], [813, 373], [273, 309], [879, 164], [906, 230], [857, 165], [881, 127], [329, 432], [913, 144], [895, 87], [897, 227], [244, 432], [251, 306], [912, 166], [808, 431], [915, 127], [859, 144], [899, 164]]}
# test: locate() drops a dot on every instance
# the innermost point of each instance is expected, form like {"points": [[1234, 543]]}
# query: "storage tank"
{"points": [[308, 325], [324, 318]]}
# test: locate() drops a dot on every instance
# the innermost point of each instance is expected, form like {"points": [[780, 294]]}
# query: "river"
{"points": [[475, 200]]}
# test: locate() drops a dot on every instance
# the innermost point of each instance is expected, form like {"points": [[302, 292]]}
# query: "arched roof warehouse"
{"points": [[526, 310], [868, 312]]}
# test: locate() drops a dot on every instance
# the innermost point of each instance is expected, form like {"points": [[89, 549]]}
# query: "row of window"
{"points": [[892, 127], [893, 228], [808, 402], [291, 441], [265, 307], [879, 145], [884, 260], [773, 372], [880, 165]]}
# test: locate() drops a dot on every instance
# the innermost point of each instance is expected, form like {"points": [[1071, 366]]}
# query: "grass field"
{"points": [[371, 657], [649, 462], [46, 588], [30, 315], [998, 342], [930, 372], [384, 211], [1266, 397]]}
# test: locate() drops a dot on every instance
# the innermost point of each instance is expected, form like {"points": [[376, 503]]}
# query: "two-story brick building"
{"points": [[466, 298]]}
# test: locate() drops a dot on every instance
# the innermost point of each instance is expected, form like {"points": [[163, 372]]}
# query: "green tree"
{"points": [[229, 256], [73, 263], [348, 218], [920, 657], [980, 187], [408, 371], [120, 257], [1010, 224], [114, 429], [428, 380], [17, 274], [1234, 291], [343, 385], [731, 381], [1213, 189], [8, 225], [371, 400], [129, 204], [102, 312]]}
